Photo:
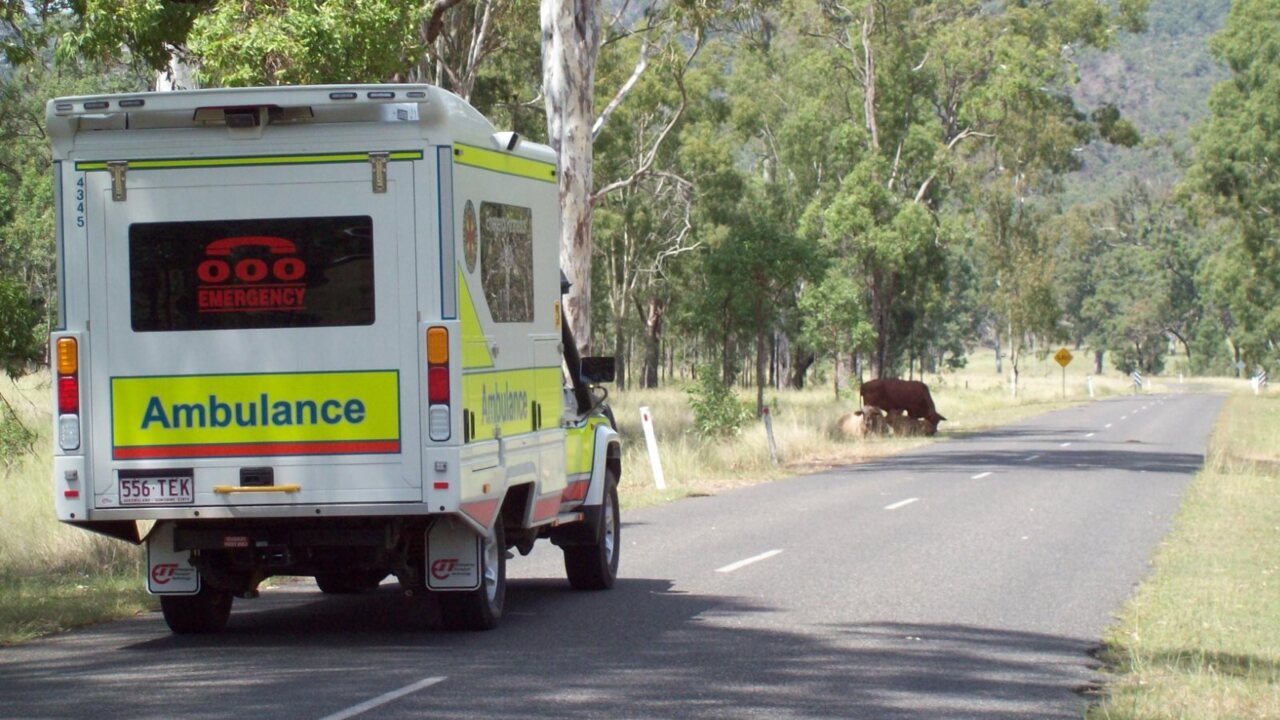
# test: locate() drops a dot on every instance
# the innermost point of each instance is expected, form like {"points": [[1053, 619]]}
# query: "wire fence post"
{"points": [[768, 430]]}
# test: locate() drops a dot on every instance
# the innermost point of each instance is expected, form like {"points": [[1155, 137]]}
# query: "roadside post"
{"points": [[1063, 358], [768, 430], [646, 420], [1137, 380], [1088, 380]]}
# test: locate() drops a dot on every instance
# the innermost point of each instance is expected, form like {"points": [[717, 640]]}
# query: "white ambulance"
{"points": [[317, 331]]}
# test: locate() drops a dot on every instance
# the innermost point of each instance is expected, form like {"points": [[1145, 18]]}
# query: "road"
{"points": [[969, 578]]}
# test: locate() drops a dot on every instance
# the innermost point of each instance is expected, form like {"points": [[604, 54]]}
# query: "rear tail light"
{"points": [[68, 368], [439, 414]]}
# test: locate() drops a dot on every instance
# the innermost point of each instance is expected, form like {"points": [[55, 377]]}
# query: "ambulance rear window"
{"points": [[251, 274]]}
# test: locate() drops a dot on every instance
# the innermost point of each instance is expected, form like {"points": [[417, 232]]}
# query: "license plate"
{"points": [[158, 490]]}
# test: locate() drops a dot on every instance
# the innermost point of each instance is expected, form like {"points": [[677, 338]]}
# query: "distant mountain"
{"points": [[1161, 81]]}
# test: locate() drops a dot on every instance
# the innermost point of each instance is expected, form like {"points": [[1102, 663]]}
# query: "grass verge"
{"points": [[1201, 637], [36, 605]]}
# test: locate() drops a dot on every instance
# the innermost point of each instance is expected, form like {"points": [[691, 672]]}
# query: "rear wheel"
{"points": [[481, 609], [203, 613], [595, 566], [349, 583]]}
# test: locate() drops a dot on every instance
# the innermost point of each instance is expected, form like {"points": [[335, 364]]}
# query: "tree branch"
{"points": [[435, 22], [641, 65]]}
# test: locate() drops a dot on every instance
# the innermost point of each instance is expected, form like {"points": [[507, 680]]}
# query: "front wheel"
{"points": [[481, 609], [595, 566], [204, 613]]}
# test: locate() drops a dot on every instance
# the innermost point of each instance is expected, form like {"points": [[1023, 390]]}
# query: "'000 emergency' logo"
{"points": [[266, 275]]}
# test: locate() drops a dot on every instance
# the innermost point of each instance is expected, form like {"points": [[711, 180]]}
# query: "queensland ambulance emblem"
{"points": [[469, 236]]}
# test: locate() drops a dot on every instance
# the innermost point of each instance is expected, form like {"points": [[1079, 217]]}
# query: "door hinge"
{"points": [[379, 162], [118, 168]]}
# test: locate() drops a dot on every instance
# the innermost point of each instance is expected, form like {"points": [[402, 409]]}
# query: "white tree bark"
{"points": [[570, 45]]}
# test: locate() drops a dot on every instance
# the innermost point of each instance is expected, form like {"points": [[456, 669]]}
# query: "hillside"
{"points": [[1160, 80]]}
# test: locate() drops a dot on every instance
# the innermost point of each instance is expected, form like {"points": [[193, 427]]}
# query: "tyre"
{"points": [[481, 609], [203, 613], [349, 583], [595, 566]]}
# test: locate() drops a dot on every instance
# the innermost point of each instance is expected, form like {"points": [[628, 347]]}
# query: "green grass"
{"points": [[1201, 637], [36, 605], [53, 576]]}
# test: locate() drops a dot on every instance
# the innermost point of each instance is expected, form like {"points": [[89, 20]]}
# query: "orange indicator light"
{"points": [[68, 358]]}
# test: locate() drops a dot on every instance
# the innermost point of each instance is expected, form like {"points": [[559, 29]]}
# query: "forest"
{"points": [[776, 189]]}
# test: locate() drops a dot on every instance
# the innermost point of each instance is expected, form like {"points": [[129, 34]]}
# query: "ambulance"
{"points": [[317, 331]]}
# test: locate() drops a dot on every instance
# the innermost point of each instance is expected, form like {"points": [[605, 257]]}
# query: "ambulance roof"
{"points": [[293, 105]]}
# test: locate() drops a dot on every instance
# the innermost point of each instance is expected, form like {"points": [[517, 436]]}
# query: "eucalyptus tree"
{"points": [[949, 101], [1237, 171]]}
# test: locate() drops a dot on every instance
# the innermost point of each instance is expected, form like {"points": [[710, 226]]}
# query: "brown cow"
{"points": [[909, 396]]}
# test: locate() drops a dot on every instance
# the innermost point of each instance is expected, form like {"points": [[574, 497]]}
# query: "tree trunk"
{"points": [[652, 341], [619, 357], [802, 360], [570, 44], [1097, 362]]}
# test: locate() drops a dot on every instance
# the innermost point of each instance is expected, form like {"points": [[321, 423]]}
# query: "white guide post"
{"points": [[646, 420]]}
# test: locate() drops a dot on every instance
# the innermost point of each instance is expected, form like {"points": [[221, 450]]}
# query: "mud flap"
{"points": [[169, 571], [453, 555]]}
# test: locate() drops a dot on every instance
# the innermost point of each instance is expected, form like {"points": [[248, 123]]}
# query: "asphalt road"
{"points": [[970, 578]]}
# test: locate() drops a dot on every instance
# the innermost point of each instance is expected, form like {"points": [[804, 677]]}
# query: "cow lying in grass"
{"points": [[874, 421], [896, 397]]}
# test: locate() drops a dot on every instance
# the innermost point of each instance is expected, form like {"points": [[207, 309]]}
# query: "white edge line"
{"points": [[900, 504], [979, 476], [383, 699], [743, 563]]}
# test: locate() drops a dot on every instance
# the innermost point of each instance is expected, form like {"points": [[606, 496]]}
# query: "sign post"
{"points": [[1063, 358]]}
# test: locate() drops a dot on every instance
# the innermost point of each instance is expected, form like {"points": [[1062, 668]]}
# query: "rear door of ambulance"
{"points": [[253, 335]]}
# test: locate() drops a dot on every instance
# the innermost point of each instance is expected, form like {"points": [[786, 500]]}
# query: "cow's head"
{"points": [[931, 423]]}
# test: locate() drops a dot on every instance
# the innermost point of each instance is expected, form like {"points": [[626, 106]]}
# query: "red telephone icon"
{"points": [[251, 269], [277, 245]]}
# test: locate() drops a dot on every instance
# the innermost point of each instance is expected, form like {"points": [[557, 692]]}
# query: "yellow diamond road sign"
{"points": [[1063, 357]]}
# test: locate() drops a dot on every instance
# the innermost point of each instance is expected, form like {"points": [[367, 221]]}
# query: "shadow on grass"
{"points": [[641, 650]]}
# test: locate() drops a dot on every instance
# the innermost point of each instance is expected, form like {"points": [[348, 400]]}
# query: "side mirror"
{"points": [[597, 369]]}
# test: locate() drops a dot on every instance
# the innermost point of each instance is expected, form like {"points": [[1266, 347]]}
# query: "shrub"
{"points": [[717, 412]]}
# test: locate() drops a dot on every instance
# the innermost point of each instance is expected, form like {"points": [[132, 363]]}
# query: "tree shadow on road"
{"points": [[640, 650]]}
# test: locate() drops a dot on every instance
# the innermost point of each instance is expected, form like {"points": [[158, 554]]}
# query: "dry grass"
{"points": [[972, 399]]}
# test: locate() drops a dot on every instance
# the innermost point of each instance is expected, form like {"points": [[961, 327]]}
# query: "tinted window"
{"points": [[506, 261], [235, 274]]}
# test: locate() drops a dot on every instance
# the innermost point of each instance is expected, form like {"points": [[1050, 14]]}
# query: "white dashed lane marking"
{"points": [[743, 563], [979, 476], [1029, 459], [368, 705], [1065, 444], [901, 504]]}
